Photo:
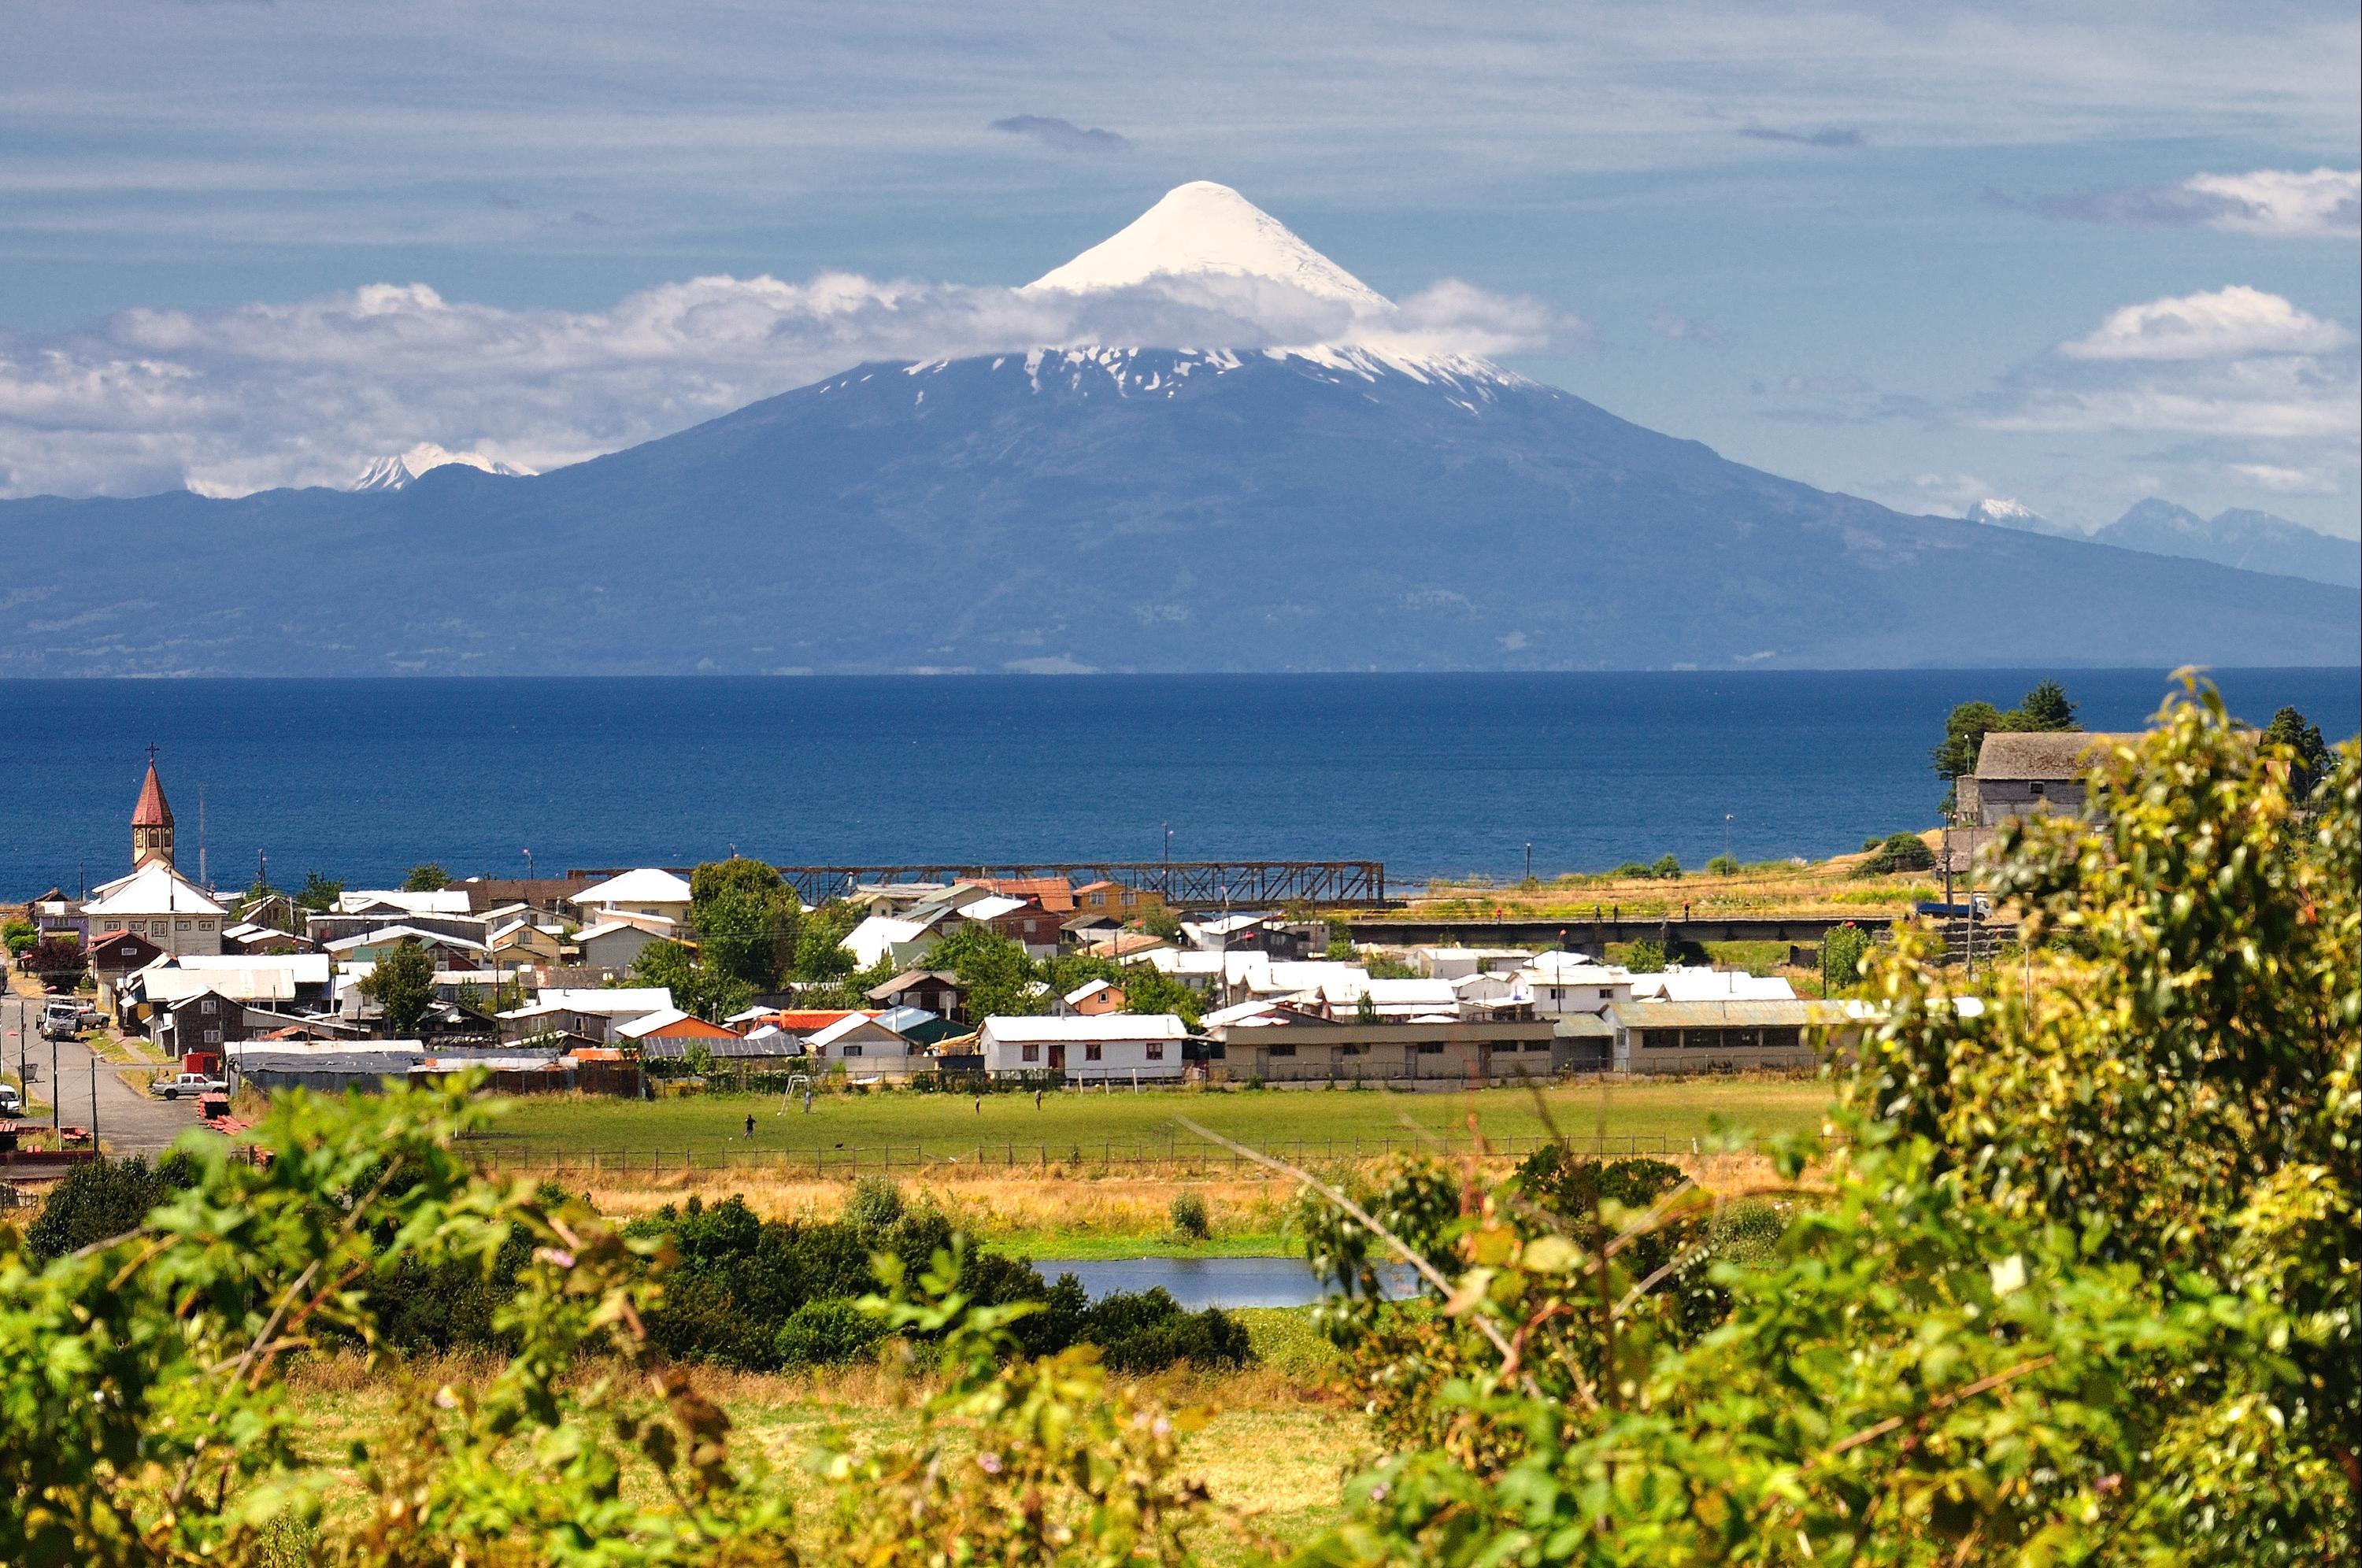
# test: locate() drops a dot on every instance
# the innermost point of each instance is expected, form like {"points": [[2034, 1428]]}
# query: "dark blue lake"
{"points": [[1433, 774]]}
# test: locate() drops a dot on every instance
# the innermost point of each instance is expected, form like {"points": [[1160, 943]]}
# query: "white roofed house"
{"points": [[906, 941], [1342, 997], [591, 1014], [447, 951], [1563, 985], [159, 903], [1116, 1047], [864, 1048], [647, 891]]}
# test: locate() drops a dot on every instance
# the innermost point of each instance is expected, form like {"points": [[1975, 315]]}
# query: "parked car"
{"points": [[188, 1084], [12, 1102], [61, 1020]]}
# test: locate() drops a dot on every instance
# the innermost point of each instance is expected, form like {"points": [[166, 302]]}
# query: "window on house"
{"points": [[850, 1051], [213, 1036], [1431, 1047], [2036, 787], [1092, 1051], [1031, 1053], [183, 925], [1282, 1050], [1156, 1050], [206, 1007]]}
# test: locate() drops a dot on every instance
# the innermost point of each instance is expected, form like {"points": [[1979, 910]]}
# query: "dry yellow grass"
{"points": [[1273, 1449], [1832, 887], [1021, 1209]]}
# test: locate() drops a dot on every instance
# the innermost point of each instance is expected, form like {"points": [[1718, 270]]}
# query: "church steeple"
{"points": [[151, 820]]}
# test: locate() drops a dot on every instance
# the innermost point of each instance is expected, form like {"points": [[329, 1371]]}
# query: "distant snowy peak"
{"points": [[1202, 229], [1998, 513], [392, 473]]}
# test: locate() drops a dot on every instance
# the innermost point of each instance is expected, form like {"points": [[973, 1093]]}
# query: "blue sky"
{"points": [[1878, 248]]}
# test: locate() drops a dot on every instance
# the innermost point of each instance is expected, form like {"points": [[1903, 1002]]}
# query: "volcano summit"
{"points": [[1351, 500]]}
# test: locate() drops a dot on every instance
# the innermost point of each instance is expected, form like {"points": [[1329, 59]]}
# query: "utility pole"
{"points": [[1529, 860], [94, 1102], [1725, 837], [56, 1094]]}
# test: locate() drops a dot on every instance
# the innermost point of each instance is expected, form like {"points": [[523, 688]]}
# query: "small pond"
{"points": [[1197, 1282]]}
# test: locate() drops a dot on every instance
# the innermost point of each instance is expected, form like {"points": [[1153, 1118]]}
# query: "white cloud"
{"points": [[2283, 481], [231, 401], [2227, 324], [2283, 398], [2283, 204]]}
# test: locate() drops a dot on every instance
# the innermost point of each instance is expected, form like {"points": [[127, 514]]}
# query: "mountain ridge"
{"points": [[1110, 510], [1345, 505]]}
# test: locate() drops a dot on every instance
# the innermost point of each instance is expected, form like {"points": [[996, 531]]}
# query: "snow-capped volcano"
{"points": [[392, 473], [1203, 229]]}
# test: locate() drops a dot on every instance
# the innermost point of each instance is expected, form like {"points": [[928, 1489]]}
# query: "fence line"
{"points": [[1101, 1153]]}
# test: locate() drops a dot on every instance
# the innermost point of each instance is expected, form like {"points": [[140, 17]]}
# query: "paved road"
{"points": [[130, 1122]]}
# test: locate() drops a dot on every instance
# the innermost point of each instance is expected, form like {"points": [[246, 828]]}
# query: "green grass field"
{"points": [[1307, 1123]]}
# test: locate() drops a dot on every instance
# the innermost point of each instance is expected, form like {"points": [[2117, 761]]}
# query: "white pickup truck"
{"points": [[189, 1084]]}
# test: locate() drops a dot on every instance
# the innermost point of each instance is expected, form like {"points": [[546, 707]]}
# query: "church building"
{"points": [[155, 901]]}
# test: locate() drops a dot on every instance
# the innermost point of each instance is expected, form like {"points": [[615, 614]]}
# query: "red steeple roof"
{"points": [[151, 812]]}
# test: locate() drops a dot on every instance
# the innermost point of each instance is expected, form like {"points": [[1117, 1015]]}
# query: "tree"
{"points": [[1000, 979], [1157, 918], [2309, 758], [426, 878], [1365, 1009], [403, 984], [1842, 952], [57, 958], [19, 934], [1722, 865], [2046, 708], [696, 987], [820, 952], [319, 894], [1645, 958], [1148, 989], [1668, 869], [1964, 734], [747, 919]]}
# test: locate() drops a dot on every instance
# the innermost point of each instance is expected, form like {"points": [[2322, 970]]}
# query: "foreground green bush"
{"points": [[2082, 1289], [759, 1295]]}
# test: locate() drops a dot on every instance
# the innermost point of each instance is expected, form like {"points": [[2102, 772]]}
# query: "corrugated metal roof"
{"points": [[1710, 1014]]}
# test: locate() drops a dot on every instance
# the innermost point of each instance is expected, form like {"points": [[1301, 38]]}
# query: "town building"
{"points": [[1093, 998], [1113, 1048], [647, 891], [159, 903], [1284, 1046], [1654, 1037], [937, 990]]}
